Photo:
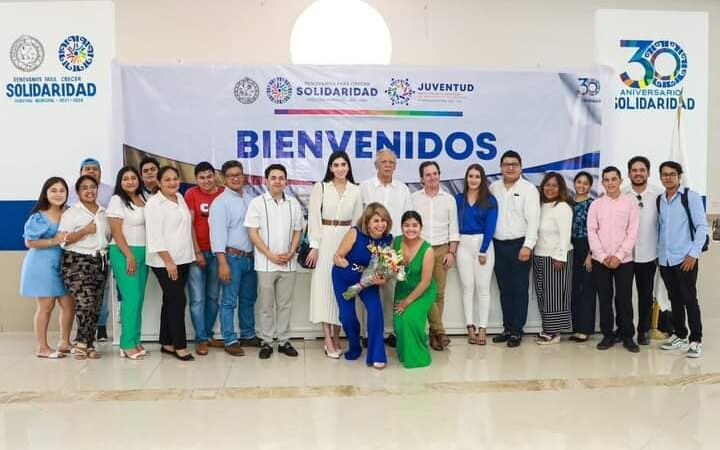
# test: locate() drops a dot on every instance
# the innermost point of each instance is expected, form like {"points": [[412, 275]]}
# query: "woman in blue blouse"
{"points": [[477, 217], [583, 289], [40, 276]]}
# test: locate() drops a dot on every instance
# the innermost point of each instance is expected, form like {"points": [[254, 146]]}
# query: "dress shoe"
{"points": [[631, 346], [500, 338], [514, 341], [202, 348], [435, 342], [644, 338], [288, 350], [617, 337], [606, 343], [166, 351], [185, 357], [444, 339], [216, 343], [391, 340], [235, 349], [265, 351], [251, 342], [363, 341]]}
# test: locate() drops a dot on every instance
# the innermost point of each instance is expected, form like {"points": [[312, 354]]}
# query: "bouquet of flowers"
{"points": [[385, 262]]}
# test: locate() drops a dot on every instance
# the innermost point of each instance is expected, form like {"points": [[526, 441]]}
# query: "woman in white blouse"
{"points": [[84, 262], [126, 215], [552, 259], [335, 204], [169, 251]]}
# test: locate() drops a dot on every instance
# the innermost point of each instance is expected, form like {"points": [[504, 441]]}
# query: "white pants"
{"points": [[475, 279]]}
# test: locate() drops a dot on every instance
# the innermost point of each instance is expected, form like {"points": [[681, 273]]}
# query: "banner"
{"points": [[56, 101], [661, 61], [299, 115]]}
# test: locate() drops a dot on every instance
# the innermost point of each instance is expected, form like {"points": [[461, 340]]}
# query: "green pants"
{"points": [[132, 294]]}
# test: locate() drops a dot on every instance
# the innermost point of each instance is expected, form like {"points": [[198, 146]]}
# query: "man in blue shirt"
{"points": [[231, 244], [681, 234]]}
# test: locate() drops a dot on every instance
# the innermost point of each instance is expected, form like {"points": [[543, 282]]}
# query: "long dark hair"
{"points": [[563, 195], [335, 155], [483, 190], [118, 186], [43, 204]]}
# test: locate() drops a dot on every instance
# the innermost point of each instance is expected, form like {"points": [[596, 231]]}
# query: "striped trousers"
{"points": [[553, 289]]}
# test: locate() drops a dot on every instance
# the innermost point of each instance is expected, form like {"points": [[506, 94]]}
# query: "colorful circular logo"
{"points": [[279, 90], [27, 53], [246, 91], [646, 59], [400, 91], [76, 53]]}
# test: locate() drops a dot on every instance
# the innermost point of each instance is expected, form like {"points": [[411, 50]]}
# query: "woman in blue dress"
{"points": [[40, 276], [350, 260]]}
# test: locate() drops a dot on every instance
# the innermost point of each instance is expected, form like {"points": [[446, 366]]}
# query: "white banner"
{"points": [[660, 58], [298, 115], [55, 106]]}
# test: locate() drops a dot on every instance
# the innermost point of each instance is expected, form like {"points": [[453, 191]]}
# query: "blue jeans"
{"points": [[240, 293], [104, 308], [204, 290]]}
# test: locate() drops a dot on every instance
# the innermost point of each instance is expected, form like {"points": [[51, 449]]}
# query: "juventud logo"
{"points": [[27, 53]]}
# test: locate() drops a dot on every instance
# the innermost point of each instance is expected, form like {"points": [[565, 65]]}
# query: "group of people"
{"points": [[230, 248]]}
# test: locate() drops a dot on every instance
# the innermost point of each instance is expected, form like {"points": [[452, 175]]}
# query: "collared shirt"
{"points": [[646, 245], [133, 220], [674, 242], [168, 229], [439, 215], [227, 214], [613, 227], [276, 221], [105, 192], [519, 215], [395, 196], [75, 218], [476, 219], [554, 231]]}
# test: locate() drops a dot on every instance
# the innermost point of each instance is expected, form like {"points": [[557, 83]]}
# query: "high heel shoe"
{"points": [[134, 356], [333, 355], [379, 365]]}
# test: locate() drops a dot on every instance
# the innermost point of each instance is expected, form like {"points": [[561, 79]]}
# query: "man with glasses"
{"points": [[515, 236], [612, 224], [645, 251], [231, 244], [682, 236]]}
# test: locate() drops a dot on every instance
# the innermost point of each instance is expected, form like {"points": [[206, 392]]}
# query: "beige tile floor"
{"points": [[567, 396]]}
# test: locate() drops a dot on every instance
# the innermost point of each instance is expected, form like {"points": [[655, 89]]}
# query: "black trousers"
{"points": [[584, 293], [513, 278], [645, 284], [615, 286], [682, 290], [172, 313]]}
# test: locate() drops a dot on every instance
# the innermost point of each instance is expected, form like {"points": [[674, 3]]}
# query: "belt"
{"points": [[337, 223], [234, 251]]}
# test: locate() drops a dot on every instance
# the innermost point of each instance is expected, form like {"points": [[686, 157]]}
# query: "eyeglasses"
{"points": [[512, 165], [234, 176], [668, 175], [639, 199]]}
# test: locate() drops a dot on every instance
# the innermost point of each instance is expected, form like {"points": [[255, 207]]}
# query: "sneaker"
{"points": [[675, 343], [287, 349], [251, 342], [695, 350], [265, 351], [102, 335]]}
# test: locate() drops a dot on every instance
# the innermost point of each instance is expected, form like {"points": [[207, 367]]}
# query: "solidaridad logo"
{"points": [[400, 91], [279, 90], [647, 58], [27, 53], [246, 91], [76, 53]]}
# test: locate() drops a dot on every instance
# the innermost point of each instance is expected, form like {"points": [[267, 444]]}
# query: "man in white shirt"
{"points": [[645, 251], [515, 236], [439, 213], [395, 196], [274, 222]]}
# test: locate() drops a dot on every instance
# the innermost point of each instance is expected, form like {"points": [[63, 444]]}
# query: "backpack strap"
{"points": [[657, 202], [686, 205]]}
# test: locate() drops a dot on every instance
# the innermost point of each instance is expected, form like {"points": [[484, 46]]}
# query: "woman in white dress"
{"points": [[335, 204]]}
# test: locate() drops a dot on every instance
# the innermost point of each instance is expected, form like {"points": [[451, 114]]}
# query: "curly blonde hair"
{"points": [[371, 210]]}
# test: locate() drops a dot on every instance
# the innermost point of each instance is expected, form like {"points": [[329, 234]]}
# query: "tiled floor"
{"points": [[568, 396]]}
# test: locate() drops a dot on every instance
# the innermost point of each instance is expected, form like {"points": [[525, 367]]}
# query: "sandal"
{"points": [[54, 354], [472, 335], [481, 336], [135, 356], [92, 353], [79, 353], [65, 350]]}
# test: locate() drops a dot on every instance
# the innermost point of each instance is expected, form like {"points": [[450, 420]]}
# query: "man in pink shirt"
{"points": [[612, 223]]}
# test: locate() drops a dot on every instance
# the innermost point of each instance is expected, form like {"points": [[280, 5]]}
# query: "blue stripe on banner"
{"points": [[13, 214], [587, 161]]}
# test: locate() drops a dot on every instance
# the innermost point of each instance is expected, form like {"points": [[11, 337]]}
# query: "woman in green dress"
{"points": [[415, 295]]}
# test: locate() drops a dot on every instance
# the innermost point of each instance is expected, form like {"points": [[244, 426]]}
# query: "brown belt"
{"points": [[337, 223], [234, 251]]}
